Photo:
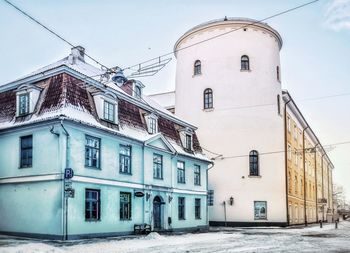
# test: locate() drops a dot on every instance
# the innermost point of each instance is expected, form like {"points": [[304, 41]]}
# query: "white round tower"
{"points": [[228, 83]]}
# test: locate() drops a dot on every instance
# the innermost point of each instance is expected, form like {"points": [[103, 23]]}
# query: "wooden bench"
{"points": [[142, 228]]}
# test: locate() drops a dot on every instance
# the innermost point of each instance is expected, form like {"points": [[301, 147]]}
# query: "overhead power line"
{"points": [[53, 32], [309, 150], [274, 104], [225, 33]]}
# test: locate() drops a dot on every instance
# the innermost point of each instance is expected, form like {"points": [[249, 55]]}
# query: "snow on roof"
{"points": [[73, 108]]}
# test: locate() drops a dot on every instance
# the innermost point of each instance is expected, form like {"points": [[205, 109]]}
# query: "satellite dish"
{"points": [[119, 78]]}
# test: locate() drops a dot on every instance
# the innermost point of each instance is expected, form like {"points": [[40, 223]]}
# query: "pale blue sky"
{"points": [[315, 57]]}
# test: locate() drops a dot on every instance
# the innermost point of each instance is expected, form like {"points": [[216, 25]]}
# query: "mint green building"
{"points": [[134, 162]]}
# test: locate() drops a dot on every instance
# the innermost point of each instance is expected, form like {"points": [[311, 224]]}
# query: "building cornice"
{"points": [[296, 111]]}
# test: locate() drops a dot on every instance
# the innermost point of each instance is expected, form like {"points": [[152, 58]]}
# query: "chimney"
{"points": [[77, 53]]}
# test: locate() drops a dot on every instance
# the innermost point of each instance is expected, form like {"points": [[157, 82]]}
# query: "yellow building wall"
{"points": [[309, 186]]}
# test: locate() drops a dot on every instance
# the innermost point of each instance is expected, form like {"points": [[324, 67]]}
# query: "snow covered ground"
{"points": [[310, 239]]}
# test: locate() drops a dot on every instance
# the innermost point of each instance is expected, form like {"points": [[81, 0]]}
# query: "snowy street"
{"points": [[310, 239]]}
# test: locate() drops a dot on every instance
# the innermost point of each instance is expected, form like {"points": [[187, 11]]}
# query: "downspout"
{"points": [[207, 182], [316, 186], [65, 197], [286, 157], [143, 182], [305, 216], [52, 131], [328, 189], [322, 188]]}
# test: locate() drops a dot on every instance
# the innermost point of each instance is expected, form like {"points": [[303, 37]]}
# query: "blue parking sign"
{"points": [[68, 173]]}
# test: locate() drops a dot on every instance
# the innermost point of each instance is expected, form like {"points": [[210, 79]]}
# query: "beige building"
{"points": [[308, 169]]}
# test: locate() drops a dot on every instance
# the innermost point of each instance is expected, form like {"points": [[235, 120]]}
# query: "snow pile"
{"points": [[154, 236]]}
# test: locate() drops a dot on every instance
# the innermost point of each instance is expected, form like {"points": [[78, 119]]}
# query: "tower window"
{"points": [[244, 62], [278, 73], [208, 98], [278, 105], [197, 70], [253, 163]]}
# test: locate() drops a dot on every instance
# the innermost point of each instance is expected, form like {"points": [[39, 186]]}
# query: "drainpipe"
{"points": [[322, 188], [316, 186], [207, 206], [65, 234], [286, 157], [143, 182], [305, 216], [328, 201], [52, 131]]}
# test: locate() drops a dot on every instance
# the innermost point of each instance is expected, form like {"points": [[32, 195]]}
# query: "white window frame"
{"points": [[152, 123], [108, 103]]}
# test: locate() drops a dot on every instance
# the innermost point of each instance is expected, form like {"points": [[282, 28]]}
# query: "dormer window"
{"points": [[137, 89], [189, 141], [106, 105], [109, 111], [23, 104], [152, 123], [26, 99], [186, 136]]}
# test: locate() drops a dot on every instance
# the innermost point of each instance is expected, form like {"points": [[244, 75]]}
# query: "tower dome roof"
{"points": [[244, 22]]}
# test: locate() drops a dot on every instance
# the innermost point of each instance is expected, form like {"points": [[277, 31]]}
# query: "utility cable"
{"points": [[225, 33], [53, 32], [221, 157]]}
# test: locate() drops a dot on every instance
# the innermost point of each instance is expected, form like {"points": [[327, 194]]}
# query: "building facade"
{"points": [[228, 83], [133, 162]]}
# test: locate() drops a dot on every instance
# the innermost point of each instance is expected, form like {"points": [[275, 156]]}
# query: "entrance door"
{"points": [[157, 212]]}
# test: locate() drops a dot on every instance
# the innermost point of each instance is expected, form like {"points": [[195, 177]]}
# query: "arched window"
{"points": [[208, 98], [254, 163], [244, 62], [137, 91], [197, 70]]}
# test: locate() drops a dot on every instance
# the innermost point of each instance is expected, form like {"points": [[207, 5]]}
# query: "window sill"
{"points": [[260, 219], [92, 220], [182, 219], [125, 173], [250, 176], [246, 70], [208, 109], [92, 167], [158, 178], [194, 75], [181, 182], [198, 218], [197, 184], [125, 220], [29, 167]]}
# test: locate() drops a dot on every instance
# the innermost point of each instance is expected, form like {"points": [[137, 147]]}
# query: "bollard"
{"points": [[336, 224], [320, 221]]}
